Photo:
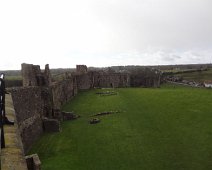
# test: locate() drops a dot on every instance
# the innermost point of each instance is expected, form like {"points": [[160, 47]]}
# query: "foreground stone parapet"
{"points": [[31, 104], [12, 156]]}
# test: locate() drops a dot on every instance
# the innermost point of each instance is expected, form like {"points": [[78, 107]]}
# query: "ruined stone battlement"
{"points": [[40, 98], [81, 69], [33, 76]]}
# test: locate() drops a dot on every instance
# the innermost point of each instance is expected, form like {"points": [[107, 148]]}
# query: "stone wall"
{"points": [[42, 98], [12, 156], [111, 80], [102, 80], [145, 78], [31, 104], [84, 81], [63, 91]]}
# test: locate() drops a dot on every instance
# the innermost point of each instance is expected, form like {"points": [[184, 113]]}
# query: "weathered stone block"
{"points": [[94, 121], [81, 69], [33, 162], [69, 116], [51, 125]]}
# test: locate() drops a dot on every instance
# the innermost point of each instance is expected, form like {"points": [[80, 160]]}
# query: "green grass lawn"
{"points": [[169, 128], [199, 76]]}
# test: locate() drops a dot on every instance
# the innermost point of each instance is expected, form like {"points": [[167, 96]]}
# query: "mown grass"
{"points": [[162, 129]]}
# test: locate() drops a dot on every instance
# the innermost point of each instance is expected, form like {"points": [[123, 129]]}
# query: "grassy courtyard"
{"points": [[169, 128]]}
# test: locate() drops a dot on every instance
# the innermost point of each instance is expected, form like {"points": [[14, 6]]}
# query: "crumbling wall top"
{"points": [[81, 69], [33, 76]]}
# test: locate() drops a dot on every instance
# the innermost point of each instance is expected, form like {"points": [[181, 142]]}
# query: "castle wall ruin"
{"points": [[33, 76], [41, 98], [84, 81], [32, 104], [94, 79], [63, 91], [145, 78], [111, 80], [81, 69]]}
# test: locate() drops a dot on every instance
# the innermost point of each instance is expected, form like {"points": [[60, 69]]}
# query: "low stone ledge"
{"points": [[94, 121], [107, 93], [51, 125], [69, 116], [106, 113], [63, 116], [33, 162]]}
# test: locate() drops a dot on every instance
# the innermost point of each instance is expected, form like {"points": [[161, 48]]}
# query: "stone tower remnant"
{"points": [[81, 69], [33, 76]]}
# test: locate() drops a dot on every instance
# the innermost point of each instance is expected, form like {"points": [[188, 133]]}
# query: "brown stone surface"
{"points": [[34, 103], [84, 81], [102, 79], [33, 162], [31, 104], [33, 76], [63, 91], [110, 80], [145, 78], [12, 156], [69, 116], [51, 125], [81, 69]]}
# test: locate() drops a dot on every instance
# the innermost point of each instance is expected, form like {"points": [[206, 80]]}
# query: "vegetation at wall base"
{"points": [[161, 129]]}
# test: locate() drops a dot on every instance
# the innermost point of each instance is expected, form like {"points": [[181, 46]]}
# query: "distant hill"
{"points": [[129, 68], [197, 76], [11, 72]]}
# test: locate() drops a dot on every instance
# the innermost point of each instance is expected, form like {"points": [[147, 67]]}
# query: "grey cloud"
{"points": [[183, 24], [107, 32], [170, 57]]}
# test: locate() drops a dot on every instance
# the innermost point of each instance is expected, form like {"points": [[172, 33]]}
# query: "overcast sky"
{"points": [[104, 32]]}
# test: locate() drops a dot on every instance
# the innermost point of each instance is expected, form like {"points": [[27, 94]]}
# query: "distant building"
{"points": [[208, 84]]}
